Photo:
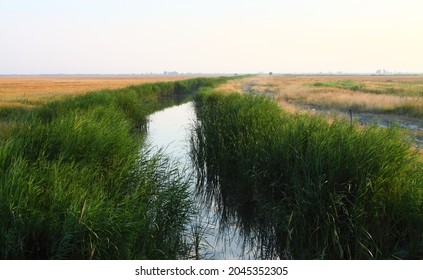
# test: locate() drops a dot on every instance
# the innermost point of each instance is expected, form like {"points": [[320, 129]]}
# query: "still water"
{"points": [[169, 133]]}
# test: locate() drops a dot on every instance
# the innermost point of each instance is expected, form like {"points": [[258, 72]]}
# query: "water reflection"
{"points": [[215, 231], [168, 131], [256, 233], [251, 224]]}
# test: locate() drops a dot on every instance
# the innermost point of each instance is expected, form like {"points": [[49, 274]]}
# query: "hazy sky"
{"points": [[243, 36]]}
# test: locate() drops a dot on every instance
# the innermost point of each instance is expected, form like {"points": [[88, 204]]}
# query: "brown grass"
{"points": [[392, 94], [30, 90]]}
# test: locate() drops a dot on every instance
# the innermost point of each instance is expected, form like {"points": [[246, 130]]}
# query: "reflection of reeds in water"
{"points": [[301, 187]]}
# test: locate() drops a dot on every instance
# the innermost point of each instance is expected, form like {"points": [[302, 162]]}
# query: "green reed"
{"points": [[77, 182], [309, 188]]}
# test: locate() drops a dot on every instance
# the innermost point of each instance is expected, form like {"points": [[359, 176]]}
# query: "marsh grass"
{"points": [[389, 87], [394, 98], [77, 182], [343, 84], [310, 188]]}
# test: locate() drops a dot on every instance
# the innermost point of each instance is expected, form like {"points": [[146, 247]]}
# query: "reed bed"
{"points": [[78, 182], [306, 188]]}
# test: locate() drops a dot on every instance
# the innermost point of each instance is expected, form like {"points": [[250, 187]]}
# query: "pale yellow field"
{"points": [[27, 90]]}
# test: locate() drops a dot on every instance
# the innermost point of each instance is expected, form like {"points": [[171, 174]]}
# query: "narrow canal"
{"points": [[169, 133]]}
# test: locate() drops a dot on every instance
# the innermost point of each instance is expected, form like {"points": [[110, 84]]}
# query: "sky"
{"points": [[210, 36]]}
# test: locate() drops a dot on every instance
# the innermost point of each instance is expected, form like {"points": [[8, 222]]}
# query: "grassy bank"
{"points": [[307, 188], [78, 183]]}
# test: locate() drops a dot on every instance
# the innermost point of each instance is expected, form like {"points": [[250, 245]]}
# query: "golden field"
{"points": [[30, 90]]}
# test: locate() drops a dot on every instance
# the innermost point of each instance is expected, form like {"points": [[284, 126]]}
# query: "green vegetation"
{"points": [[77, 182], [403, 88], [342, 84], [305, 188]]}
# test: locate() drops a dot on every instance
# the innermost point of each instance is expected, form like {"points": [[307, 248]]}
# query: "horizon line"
{"points": [[175, 73]]}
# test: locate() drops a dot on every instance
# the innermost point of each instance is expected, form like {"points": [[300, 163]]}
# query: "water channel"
{"points": [[169, 133], [219, 235]]}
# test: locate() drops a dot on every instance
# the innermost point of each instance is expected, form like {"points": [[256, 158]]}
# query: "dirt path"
{"points": [[249, 89], [415, 126]]}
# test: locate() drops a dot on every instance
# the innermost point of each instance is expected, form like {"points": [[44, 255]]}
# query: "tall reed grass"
{"points": [[306, 188], [77, 182]]}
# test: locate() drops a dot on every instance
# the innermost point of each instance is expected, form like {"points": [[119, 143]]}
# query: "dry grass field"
{"points": [[395, 95], [372, 99], [32, 90]]}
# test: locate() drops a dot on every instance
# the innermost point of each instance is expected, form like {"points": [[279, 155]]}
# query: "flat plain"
{"points": [[32, 90], [399, 95]]}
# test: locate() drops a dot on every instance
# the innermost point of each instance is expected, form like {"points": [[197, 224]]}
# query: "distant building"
{"points": [[170, 73]]}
